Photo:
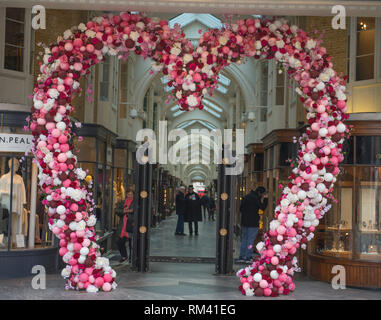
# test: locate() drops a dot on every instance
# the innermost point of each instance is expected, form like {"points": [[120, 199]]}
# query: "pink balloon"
{"points": [[106, 287]]}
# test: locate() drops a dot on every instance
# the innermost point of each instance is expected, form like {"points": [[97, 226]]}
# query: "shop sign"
{"points": [[10, 142]]}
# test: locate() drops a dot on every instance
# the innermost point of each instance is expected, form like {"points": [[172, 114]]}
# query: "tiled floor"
{"points": [[165, 243], [173, 281]]}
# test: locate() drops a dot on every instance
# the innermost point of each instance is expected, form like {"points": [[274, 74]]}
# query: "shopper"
{"points": [[249, 208], [205, 204], [126, 225], [212, 208], [180, 211], [193, 210]]}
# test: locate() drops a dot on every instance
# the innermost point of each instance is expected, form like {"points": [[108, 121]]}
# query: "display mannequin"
{"points": [[19, 197]]}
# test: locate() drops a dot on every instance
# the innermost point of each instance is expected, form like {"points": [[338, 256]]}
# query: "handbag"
{"points": [[130, 223]]}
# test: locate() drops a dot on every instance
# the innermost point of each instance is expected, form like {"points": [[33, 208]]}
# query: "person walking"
{"points": [[180, 211], [212, 208], [193, 210], [126, 225], [205, 204], [249, 208]]}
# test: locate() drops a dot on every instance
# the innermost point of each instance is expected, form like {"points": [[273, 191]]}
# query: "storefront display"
{"points": [[351, 233]]}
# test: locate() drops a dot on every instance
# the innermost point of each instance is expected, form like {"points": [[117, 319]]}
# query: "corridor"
{"points": [[165, 243]]}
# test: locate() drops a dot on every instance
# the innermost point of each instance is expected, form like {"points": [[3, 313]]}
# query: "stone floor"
{"points": [[174, 281], [165, 243]]}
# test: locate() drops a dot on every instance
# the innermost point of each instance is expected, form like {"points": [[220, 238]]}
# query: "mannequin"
{"points": [[19, 197]]}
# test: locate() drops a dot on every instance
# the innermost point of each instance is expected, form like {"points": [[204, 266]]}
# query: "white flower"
{"points": [[324, 76], [260, 246], [65, 273], [175, 50], [114, 285], [192, 101], [38, 104], [46, 58], [81, 174], [187, 58], [249, 292], [81, 225], [84, 251], [223, 40], [140, 25], [53, 93], [92, 289], [90, 33], [58, 117], [92, 221], [310, 44], [61, 125], [67, 34], [258, 45], [73, 225], [178, 94], [280, 43], [82, 27], [285, 203], [134, 35], [294, 29], [49, 104]]}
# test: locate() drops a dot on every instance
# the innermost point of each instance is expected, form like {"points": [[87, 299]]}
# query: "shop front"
{"points": [[25, 238], [350, 233]]}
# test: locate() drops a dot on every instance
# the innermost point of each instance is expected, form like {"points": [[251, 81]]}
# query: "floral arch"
{"points": [[192, 72]]}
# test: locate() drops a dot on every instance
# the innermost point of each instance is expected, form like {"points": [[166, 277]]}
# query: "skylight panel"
{"points": [[224, 80], [217, 115], [222, 89], [177, 113], [212, 105]]}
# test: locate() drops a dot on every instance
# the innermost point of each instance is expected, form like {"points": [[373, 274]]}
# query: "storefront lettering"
{"points": [[15, 142]]}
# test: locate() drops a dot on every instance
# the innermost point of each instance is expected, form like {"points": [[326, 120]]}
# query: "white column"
{"points": [[32, 216]]}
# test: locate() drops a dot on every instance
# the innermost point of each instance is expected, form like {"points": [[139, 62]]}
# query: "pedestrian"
{"points": [[212, 208], [249, 208], [205, 204], [193, 210], [180, 211], [126, 225]]}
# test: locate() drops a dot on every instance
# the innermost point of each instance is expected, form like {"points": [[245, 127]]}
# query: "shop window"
{"points": [[86, 148], [258, 161], [348, 151], [365, 45], [368, 150], [287, 152], [279, 87], [105, 80], [15, 211], [369, 204], [14, 39], [264, 68]]}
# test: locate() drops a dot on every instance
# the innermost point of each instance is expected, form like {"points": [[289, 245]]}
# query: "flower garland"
{"points": [[192, 73]]}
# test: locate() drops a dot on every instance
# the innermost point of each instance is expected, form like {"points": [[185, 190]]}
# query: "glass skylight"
{"points": [[224, 80], [217, 115], [186, 124], [206, 124], [212, 105], [222, 89], [177, 113], [176, 107]]}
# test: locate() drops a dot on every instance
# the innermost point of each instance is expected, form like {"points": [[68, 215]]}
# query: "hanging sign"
{"points": [[11, 142]]}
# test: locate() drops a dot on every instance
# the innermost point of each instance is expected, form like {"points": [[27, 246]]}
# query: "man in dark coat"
{"points": [[193, 210], [249, 208], [180, 211], [205, 201]]}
